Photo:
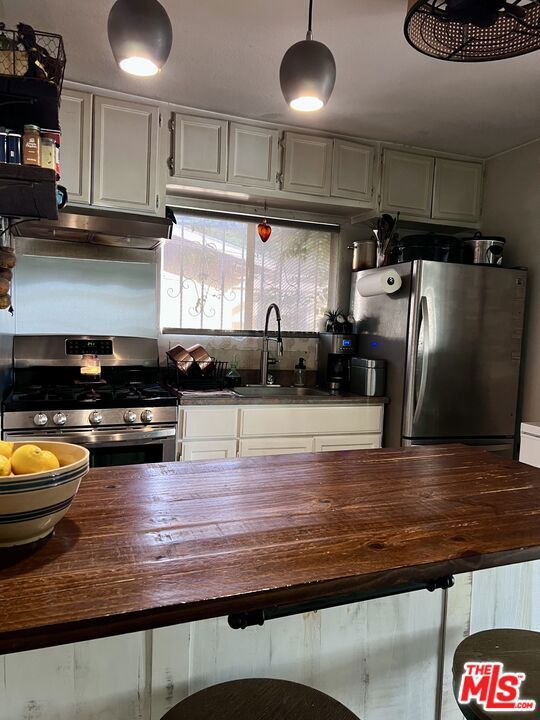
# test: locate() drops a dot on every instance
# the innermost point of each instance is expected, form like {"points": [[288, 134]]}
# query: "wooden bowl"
{"points": [[31, 505]]}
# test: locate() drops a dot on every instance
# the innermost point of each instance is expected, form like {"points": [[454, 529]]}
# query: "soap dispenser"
{"points": [[300, 373]]}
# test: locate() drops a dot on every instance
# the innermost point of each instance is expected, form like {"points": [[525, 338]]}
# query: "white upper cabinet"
{"points": [[253, 155], [125, 155], [457, 190], [308, 164], [76, 145], [200, 148], [352, 170], [407, 183]]}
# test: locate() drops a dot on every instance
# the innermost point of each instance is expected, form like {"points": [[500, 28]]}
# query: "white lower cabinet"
{"points": [[275, 446], [329, 443], [217, 432], [208, 449]]}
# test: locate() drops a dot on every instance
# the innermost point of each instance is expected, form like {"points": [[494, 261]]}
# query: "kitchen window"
{"points": [[218, 275]]}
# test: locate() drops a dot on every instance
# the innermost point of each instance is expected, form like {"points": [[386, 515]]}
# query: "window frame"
{"points": [[336, 247]]}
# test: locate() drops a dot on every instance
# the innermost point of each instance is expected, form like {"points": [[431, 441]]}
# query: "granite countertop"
{"points": [[146, 546], [229, 397]]}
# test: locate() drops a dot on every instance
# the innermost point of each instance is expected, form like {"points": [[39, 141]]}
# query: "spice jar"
{"points": [[56, 136], [31, 145], [48, 153]]}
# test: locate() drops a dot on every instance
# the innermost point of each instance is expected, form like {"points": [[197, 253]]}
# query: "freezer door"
{"points": [[463, 351]]}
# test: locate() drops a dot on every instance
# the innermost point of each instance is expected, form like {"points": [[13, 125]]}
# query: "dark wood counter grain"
{"points": [[153, 545]]}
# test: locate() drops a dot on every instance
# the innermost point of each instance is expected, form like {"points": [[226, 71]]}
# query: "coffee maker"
{"points": [[335, 353]]}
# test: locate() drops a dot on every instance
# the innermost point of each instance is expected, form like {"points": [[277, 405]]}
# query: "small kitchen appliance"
{"points": [[126, 417], [335, 353], [368, 376], [483, 250]]}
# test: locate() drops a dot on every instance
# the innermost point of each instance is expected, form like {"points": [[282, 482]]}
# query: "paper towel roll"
{"points": [[382, 282]]}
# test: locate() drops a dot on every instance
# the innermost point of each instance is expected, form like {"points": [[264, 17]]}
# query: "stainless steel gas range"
{"points": [[100, 392]]}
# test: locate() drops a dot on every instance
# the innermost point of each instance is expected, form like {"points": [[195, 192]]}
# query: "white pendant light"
{"points": [[140, 35], [308, 73]]}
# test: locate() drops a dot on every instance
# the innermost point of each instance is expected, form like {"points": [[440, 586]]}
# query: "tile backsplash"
{"points": [[246, 349]]}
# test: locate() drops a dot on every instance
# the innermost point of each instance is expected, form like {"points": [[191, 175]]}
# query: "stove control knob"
{"points": [[59, 418], [40, 419], [95, 417], [130, 417], [147, 416]]}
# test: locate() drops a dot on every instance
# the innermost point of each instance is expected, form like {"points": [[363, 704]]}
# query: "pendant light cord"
{"points": [[310, 18]]}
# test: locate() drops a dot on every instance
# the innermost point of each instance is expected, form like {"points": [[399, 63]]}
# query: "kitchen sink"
{"points": [[273, 391]]}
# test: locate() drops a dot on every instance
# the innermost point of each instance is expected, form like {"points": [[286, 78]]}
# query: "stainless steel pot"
{"points": [[364, 255], [480, 250]]}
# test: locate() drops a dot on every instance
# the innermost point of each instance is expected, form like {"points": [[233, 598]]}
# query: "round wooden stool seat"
{"points": [[259, 699], [518, 651]]}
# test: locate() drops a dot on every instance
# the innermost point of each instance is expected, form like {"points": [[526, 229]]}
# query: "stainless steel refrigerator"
{"points": [[451, 336]]}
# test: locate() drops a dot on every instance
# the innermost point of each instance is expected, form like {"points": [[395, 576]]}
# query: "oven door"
{"points": [[109, 448]]}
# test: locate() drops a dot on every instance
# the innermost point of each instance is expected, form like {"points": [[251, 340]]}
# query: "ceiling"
{"points": [[226, 56]]}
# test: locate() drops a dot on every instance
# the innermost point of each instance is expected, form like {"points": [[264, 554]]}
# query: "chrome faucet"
{"points": [[266, 360]]}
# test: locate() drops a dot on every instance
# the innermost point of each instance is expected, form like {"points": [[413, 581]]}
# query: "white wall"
{"points": [[512, 209], [85, 296]]}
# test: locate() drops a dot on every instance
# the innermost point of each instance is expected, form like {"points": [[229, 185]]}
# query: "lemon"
{"points": [[32, 459], [5, 466], [6, 448]]}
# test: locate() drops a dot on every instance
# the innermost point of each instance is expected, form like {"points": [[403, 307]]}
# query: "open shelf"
{"points": [[27, 191]]}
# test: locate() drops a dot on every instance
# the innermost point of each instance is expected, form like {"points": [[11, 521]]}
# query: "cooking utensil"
{"points": [[181, 357], [483, 250], [201, 358], [364, 255]]}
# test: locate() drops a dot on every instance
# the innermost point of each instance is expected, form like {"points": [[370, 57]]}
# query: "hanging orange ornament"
{"points": [[264, 228], [264, 231]]}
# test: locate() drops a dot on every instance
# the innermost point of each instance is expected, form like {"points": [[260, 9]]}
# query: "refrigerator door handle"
{"points": [[421, 357]]}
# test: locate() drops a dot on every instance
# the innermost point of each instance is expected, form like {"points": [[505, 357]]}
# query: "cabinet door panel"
{"points": [[208, 449], [125, 154], [308, 160], [352, 170], [330, 443], [275, 446], [76, 145], [208, 422], [200, 148], [253, 155], [407, 183], [457, 190]]}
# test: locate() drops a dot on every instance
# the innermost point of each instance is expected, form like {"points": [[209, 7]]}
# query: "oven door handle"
{"points": [[99, 437]]}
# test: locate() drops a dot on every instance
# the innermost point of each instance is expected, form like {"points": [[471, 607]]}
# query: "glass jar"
{"points": [[48, 153], [31, 145]]}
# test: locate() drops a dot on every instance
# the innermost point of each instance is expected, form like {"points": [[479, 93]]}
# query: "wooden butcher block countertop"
{"points": [[151, 545]]}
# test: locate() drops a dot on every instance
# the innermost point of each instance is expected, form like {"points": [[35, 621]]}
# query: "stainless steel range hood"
{"points": [[100, 227]]}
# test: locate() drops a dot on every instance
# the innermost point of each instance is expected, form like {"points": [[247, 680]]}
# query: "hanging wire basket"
{"points": [[29, 53]]}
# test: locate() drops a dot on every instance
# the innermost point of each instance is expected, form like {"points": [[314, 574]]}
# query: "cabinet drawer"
{"points": [[208, 449], [207, 422], [330, 443], [310, 420], [275, 446]]}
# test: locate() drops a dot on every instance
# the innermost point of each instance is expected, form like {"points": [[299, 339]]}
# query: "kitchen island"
{"points": [[151, 546]]}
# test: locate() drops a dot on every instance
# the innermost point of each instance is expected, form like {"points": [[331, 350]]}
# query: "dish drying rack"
{"points": [[188, 374]]}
